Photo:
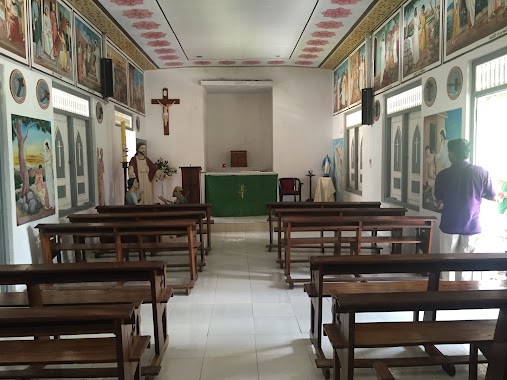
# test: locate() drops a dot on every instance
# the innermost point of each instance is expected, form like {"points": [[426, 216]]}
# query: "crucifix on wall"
{"points": [[165, 102]]}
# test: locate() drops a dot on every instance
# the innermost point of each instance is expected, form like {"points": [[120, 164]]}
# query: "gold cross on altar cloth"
{"points": [[242, 191], [165, 102]]}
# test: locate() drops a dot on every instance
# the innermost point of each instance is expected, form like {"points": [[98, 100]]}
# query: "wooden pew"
{"points": [[341, 270], [206, 207], [347, 335], [83, 235], [36, 276], [357, 225], [124, 349], [198, 216], [273, 206], [281, 213]]}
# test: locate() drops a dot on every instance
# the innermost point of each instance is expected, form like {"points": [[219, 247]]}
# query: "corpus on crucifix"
{"points": [[165, 102]]}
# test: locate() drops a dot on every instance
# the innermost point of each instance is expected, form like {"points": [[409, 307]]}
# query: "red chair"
{"points": [[289, 186]]}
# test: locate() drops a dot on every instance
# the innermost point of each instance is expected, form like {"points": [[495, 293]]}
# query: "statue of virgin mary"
{"points": [[326, 166]]}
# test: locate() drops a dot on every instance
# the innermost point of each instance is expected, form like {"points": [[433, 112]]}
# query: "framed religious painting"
{"points": [[88, 41], [357, 74], [120, 73], [341, 87], [53, 48], [471, 23], [34, 179], [439, 129], [13, 29], [386, 53], [136, 88], [422, 28]]}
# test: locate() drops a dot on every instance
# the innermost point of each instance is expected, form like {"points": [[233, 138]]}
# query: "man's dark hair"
{"points": [[460, 148], [130, 182]]}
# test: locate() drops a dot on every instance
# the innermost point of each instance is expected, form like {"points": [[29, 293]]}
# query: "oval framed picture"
{"points": [[138, 124], [99, 112], [376, 110], [430, 91], [454, 83], [17, 85], [43, 94]]}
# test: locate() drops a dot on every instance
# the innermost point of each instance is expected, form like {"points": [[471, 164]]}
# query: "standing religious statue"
{"points": [[326, 166], [142, 168]]}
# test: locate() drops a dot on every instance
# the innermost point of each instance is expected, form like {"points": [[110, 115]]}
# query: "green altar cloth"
{"points": [[240, 194]]}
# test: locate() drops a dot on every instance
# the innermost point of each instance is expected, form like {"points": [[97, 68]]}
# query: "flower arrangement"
{"points": [[163, 165]]}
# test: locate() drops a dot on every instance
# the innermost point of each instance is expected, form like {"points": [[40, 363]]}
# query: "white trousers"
{"points": [[454, 243]]}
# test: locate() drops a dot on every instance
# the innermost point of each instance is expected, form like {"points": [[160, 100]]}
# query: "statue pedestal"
{"points": [[325, 190]]}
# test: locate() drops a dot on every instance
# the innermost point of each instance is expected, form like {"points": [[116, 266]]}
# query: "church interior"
{"points": [[212, 190]]}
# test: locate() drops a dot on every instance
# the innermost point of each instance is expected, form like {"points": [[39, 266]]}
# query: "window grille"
{"points": [[405, 100], [491, 74], [70, 103]]}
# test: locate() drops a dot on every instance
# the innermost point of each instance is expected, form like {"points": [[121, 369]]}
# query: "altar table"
{"points": [[241, 193]]}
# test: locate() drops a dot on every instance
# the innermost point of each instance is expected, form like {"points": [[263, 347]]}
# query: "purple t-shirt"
{"points": [[461, 188]]}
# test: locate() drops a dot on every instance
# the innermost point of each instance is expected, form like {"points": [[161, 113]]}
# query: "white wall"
{"points": [[302, 116], [24, 242], [239, 122]]}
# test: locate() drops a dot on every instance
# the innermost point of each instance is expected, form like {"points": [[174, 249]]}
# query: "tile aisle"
{"points": [[241, 322]]}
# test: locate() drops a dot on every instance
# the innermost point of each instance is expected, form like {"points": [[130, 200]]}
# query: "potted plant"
{"points": [[163, 165]]}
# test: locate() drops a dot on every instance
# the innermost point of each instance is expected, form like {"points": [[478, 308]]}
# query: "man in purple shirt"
{"points": [[459, 190]]}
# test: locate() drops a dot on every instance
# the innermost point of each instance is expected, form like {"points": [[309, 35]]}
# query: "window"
{"points": [[404, 149], [73, 154], [354, 140]]}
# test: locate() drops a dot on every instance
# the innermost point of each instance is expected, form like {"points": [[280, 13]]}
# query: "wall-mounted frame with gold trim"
{"points": [[58, 50], [120, 73], [136, 88], [454, 83], [17, 85], [421, 51], [430, 91], [488, 22], [385, 52], [89, 43], [14, 41]]}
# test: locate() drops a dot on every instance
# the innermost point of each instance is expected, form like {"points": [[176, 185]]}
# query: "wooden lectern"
{"points": [[191, 183]]}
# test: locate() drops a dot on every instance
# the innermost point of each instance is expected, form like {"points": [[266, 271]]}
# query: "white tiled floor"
{"points": [[242, 322]]}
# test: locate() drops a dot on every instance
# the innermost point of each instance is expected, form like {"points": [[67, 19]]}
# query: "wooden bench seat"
{"points": [[58, 285], [281, 213], [350, 335], [81, 296], [198, 216], [396, 225], [67, 351], [206, 207], [273, 206], [123, 350], [325, 270], [126, 236]]}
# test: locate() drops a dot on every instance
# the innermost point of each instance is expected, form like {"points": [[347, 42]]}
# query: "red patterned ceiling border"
{"points": [[375, 16], [103, 21]]}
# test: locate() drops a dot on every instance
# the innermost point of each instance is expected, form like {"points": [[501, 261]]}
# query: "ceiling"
{"points": [[185, 33]]}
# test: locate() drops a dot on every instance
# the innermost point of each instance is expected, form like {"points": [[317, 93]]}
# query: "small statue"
{"points": [[326, 166], [178, 194]]}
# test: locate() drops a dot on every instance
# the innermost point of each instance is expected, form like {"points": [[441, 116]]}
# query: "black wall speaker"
{"points": [[106, 77], [367, 106]]}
